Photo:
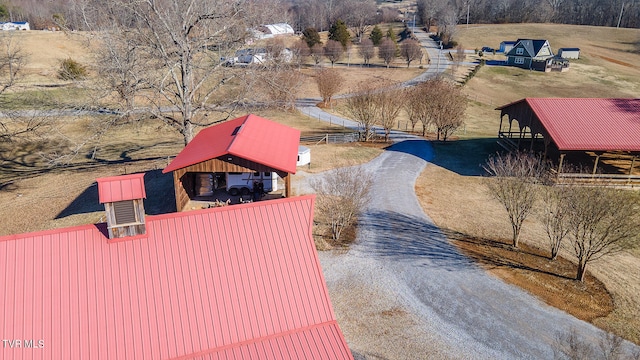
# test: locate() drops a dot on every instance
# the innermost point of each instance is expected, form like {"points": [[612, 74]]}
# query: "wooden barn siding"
{"points": [[183, 181], [119, 231]]}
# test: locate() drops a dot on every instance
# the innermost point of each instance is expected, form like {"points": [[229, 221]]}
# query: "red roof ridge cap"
{"points": [[256, 340], [51, 232]]}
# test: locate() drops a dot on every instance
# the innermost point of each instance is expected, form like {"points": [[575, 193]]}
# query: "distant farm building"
{"points": [[304, 156], [506, 46], [19, 25], [600, 136], [233, 157], [273, 30], [569, 53]]}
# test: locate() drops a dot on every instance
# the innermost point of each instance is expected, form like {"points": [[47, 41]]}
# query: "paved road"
{"points": [[403, 292]]}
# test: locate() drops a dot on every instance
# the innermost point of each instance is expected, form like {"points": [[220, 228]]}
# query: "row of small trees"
{"points": [[591, 222], [436, 102], [339, 42]]}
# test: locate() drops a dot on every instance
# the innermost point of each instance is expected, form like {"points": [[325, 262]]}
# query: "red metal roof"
{"points": [[234, 282], [120, 188], [249, 137], [589, 124]]}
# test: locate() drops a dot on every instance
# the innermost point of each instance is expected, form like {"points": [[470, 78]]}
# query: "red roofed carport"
{"points": [[603, 132], [248, 144]]}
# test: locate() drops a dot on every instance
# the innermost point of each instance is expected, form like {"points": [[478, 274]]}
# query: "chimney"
{"points": [[122, 197]]}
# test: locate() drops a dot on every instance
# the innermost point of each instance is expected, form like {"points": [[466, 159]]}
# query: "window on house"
{"points": [[519, 51], [519, 60], [124, 212]]}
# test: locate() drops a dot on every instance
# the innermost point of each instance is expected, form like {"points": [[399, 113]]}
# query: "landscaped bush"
{"points": [[71, 70]]}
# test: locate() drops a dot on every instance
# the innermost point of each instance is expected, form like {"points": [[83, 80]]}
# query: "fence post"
{"points": [[327, 138]]}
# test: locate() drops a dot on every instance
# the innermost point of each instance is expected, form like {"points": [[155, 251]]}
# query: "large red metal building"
{"points": [[234, 282]]}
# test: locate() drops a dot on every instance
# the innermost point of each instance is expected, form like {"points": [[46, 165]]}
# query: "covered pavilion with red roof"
{"points": [[600, 134], [248, 144]]}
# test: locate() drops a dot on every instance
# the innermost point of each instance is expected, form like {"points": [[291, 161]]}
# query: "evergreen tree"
{"points": [[311, 37], [339, 33], [4, 13], [376, 35], [392, 35]]}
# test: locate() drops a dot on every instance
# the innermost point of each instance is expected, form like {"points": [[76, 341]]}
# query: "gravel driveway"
{"points": [[403, 292]]}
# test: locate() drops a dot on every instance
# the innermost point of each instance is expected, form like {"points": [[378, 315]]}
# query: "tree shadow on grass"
{"points": [[402, 237], [464, 157], [422, 149], [160, 197], [501, 253]]}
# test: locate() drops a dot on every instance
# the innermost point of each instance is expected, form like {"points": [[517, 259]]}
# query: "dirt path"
{"points": [[403, 292]]}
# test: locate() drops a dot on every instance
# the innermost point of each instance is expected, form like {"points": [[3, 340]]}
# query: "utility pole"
{"points": [[439, 56], [468, 5], [413, 28], [620, 17]]}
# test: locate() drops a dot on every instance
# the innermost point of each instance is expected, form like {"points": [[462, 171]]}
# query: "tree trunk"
{"points": [[188, 132], [516, 236], [582, 269]]}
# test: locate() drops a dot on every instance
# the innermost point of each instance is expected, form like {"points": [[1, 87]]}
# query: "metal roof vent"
{"points": [[122, 197]]}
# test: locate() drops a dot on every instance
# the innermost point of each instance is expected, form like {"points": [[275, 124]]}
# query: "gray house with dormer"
{"points": [[530, 54]]}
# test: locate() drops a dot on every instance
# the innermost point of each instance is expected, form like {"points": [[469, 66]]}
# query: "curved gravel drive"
{"points": [[403, 292]]}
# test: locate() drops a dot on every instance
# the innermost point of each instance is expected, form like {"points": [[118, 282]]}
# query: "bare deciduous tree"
{"points": [[282, 86], [513, 181], [366, 50], [602, 222], [358, 14], [361, 105], [554, 216], [387, 51], [388, 106], [317, 52], [299, 51], [14, 124], [333, 51], [410, 50], [412, 106], [329, 82], [276, 50], [569, 346], [342, 195], [611, 346], [445, 106], [183, 74]]}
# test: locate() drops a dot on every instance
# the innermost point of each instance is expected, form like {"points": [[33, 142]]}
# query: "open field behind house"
{"points": [[451, 190]]}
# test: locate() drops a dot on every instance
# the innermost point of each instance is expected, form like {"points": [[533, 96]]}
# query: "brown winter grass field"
{"points": [[450, 189], [452, 194]]}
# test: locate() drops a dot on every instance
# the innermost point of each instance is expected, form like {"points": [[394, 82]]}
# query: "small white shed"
{"points": [[304, 156], [569, 53]]}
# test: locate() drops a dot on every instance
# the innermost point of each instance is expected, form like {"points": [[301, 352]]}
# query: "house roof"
{"points": [[586, 123], [532, 47], [121, 188], [249, 137], [233, 282]]}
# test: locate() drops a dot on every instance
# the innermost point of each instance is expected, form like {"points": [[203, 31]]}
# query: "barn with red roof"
{"points": [[601, 134], [246, 145], [234, 282]]}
